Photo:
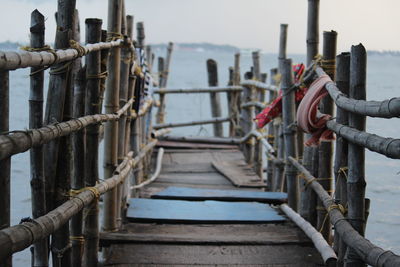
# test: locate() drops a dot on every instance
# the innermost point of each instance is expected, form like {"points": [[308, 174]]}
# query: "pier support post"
{"points": [[160, 117], [5, 164], [308, 197], [111, 106], [326, 147], [356, 155], [235, 103], [272, 138], [94, 76], [40, 249], [340, 164], [215, 99], [260, 97], [289, 131]]}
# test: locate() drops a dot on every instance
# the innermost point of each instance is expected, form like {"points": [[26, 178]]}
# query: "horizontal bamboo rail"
{"points": [[183, 124], [199, 90], [21, 236], [254, 104], [389, 108], [326, 251], [260, 85], [160, 133], [389, 147], [21, 141], [18, 60], [368, 252]]}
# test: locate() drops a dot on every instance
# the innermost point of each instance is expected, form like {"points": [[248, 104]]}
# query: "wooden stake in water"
{"points": [[215, 100]]}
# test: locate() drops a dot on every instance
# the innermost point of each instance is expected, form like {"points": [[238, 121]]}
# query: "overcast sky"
{"points": [[243, 23]]}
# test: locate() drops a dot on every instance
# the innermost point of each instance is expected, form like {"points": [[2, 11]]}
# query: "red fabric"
{"points": [[274, 109], [309, 119]]}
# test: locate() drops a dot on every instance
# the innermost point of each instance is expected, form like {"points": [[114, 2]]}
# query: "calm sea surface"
{"points": [[188, 69]]}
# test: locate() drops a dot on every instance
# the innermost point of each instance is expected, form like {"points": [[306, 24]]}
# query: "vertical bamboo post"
{"points": [[274, 172], [163, 71], [260, 96], [308, 197], [326, 147], [104, 62], [123, 99], [356, 155], [229, 101], [94, 76], [215, 100], [148, 56], [236, 99], [167, 64], [160, 117], [289, 131], [40, 249], [282, 45], [279, 178], [131, 88], [78, 150], [59, 108], [340, 163], [111, 106], [5, 164], [246, 123]]}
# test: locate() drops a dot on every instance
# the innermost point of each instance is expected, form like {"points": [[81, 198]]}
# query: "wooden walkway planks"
{"points": [[185, 193], [178, 211], [177, 244]]}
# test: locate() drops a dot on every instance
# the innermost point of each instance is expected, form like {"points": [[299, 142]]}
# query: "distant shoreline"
{"points": [[202, 47]]}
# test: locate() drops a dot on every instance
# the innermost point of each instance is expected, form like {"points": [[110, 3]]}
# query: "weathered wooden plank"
{"points": [[188, 167], [185, 193], [194, 145], [175, 211], [162, 255], [238, 173], [194, 178], [244, 234]]}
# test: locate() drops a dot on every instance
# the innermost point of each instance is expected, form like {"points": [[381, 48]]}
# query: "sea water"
{"points": [[188, 69]]}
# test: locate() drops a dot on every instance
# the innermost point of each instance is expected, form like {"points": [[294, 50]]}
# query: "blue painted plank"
{"points": [[186, 193], [178, 211]]}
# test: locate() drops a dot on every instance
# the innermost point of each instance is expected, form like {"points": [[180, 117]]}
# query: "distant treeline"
{"points": [[8, 45]]}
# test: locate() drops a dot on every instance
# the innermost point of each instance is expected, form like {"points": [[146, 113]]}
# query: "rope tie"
{"points": [[45, 48], [94, 190], [339, 207], [80, 239], [60, 252], [101, 75], [113, 36], [78, 47]]}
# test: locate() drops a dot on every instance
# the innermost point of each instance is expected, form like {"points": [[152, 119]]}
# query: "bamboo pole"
{"points": [[215, 100], [228, 89], [279, 168], [93, 91], [326, 147], [192, 123], [308, 197], [259, 96], [40, 249], [356, 154], [161, 109], [246, 123], [58, 153], [289, 132], [123, 99], [235, 108], [260, 85], [131, 88], [282, 45], [341, 162], [326, 251], [370, 253], [167, 64], [5, 164], [78, 150], [111, 105], [271, 138]]}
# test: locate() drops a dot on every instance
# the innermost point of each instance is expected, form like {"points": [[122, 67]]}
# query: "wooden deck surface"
{"points": [[177, 244]]}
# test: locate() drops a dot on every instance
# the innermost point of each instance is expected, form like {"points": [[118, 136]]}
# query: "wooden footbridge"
{"points": [[252, 197]]}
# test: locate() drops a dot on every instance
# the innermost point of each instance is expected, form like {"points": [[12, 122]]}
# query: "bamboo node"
{"points": [[80, 239], [113, 36]]}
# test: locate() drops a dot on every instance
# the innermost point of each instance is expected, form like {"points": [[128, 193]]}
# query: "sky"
{"points": [[242, 23]]}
